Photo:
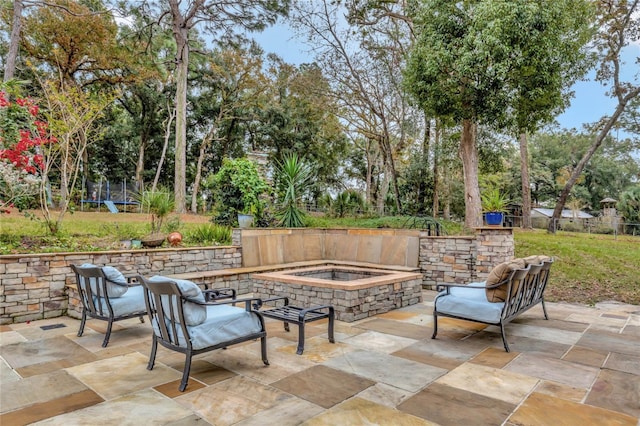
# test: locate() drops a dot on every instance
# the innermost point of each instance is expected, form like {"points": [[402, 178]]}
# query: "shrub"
{"points": [[237, 188], [603, 229], [211, 233], [349, 202], [629, 204]]}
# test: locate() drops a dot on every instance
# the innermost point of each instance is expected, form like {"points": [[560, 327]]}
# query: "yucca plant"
{"points": [[494, 201], [159, 204], [294, 176]]}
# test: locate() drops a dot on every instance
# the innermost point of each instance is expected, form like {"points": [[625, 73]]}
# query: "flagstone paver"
{"points": [[580, 367]]}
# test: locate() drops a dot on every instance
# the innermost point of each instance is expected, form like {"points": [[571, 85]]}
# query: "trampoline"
{"points": [[113, 197]]}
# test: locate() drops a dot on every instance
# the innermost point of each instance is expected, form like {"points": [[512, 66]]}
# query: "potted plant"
{"points": [[494, 206], [159, 204]]}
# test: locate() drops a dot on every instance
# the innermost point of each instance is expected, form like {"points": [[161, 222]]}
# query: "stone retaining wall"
{"points": [[33, 286]]}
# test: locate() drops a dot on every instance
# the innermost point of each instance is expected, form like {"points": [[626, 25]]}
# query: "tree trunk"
{"points": [[140, 164], [394, 180], [181, 35], [167, 135], [384, 189], [85, 156], [14, 41], [526, 189], [436, 183], [180, 178], [196, 184], [422, 186], [575, 174], [469, 156], [369, 177]]}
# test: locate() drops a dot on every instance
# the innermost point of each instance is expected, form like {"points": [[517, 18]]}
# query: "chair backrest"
{"points": [[529, 285], [164, 302], [517, 282], [543, 279], [92, 286]]}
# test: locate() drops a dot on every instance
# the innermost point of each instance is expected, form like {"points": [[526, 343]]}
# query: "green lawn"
{"points": [[589, 268]]}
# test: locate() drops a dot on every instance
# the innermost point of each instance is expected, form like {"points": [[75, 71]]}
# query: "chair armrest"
{"points": [[506, 281], [219, 294], [447, 286]]}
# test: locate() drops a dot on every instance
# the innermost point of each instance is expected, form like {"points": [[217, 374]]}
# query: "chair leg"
{"points": [[504, 338], [435, 325], [331, 322], [152, 355], [108, 334], [263, 348], [286, 326], [82, 322], [142, 319], [300, 338], [185, 374], [544, 309]]}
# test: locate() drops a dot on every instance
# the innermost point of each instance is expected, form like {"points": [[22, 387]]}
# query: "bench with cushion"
{"points": [[512, 288]]}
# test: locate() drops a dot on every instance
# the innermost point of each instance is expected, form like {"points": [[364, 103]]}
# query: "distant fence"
{"points": [[595, 225]]}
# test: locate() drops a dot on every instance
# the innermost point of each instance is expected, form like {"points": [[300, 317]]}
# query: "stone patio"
{"points": [[581, 367]]}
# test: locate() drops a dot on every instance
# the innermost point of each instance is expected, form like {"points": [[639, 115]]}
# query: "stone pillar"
{"points": [[446, 259], [494, 245], [236, 237]]}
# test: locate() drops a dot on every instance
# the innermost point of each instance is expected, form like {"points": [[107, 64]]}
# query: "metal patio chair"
{"points": [[187, 320], [107, 295]]}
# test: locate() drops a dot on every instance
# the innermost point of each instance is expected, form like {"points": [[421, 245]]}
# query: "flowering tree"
{"points": [[21, 137]]}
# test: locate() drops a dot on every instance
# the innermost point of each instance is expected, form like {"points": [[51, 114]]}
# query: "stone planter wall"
{"points": [[33, 286], [456, 259]]}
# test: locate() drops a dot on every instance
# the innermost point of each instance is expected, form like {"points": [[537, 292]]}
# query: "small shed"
{"points": [[608, 206], [568, 219]]}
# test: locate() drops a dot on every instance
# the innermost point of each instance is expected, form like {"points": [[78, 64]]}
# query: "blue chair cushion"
{"points": [[130, 303], [469, 302], [194, 314], [116, 282], [223, 324]]}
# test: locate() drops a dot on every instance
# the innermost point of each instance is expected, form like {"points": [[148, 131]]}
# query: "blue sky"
{"points": [[589, 104]]}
